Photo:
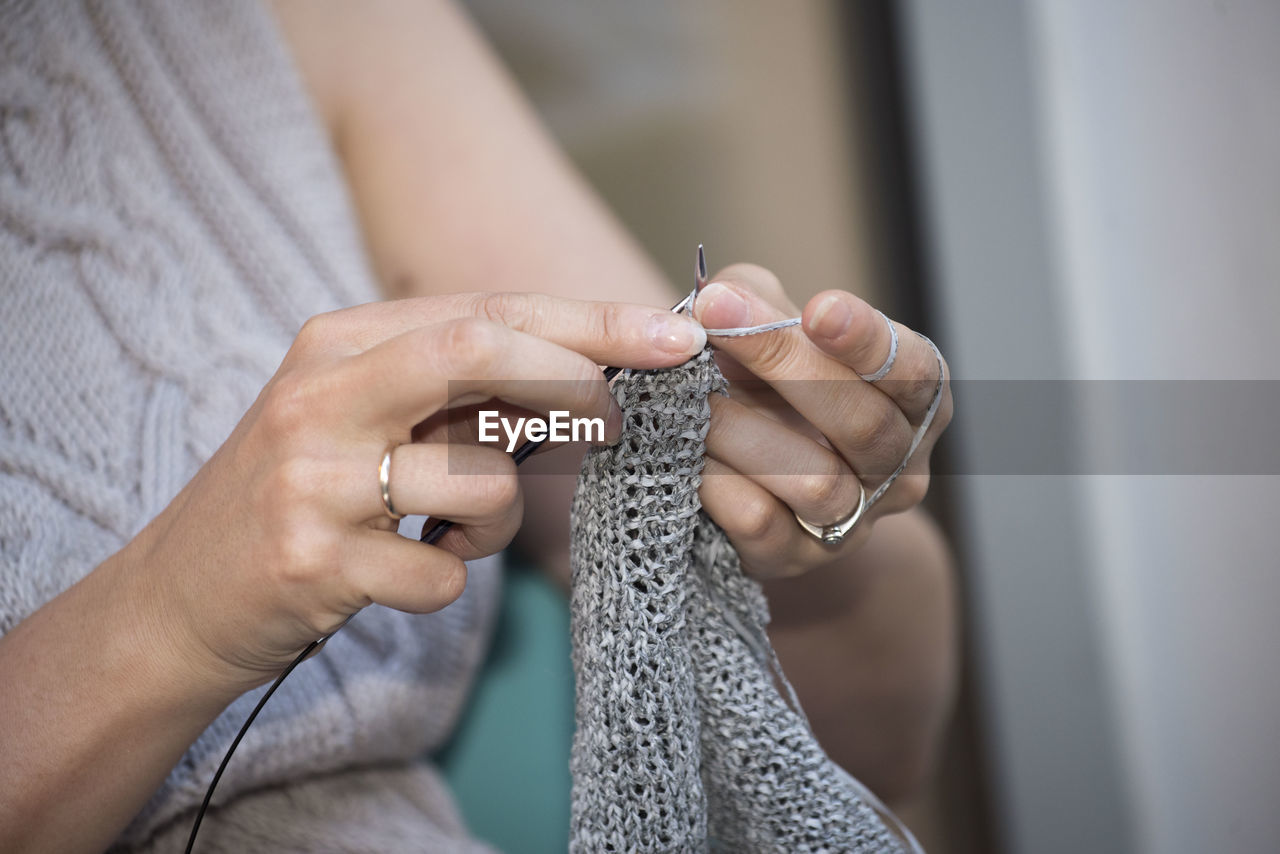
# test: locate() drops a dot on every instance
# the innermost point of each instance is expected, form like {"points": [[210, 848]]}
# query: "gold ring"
{"points": [[833, 534], [384, 481]]}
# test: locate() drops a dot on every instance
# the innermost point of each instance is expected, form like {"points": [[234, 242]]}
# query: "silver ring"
{"points": [[893, 352], [832, 535], [384, 481]]}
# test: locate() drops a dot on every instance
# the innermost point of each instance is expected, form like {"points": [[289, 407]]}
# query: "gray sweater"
{"points": [[170, 213]]}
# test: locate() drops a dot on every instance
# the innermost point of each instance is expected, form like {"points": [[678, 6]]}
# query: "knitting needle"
{"points": [[699, 272], [432, 534]]}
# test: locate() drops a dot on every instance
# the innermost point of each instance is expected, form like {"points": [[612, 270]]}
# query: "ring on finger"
{"points": [[884, 369], [833, 534], [384, 483]]}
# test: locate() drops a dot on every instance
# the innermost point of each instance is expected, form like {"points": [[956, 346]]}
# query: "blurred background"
{"points": [[1079, 201]]}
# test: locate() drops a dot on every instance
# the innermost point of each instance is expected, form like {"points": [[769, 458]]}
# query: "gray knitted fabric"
{"points": [[683, 742], [170, 214]]}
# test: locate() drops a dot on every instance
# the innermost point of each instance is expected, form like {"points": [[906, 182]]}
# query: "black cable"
{"points": [[195, 827]]}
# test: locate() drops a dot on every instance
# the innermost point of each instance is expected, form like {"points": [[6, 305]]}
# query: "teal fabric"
{"points": [[508, 764]]}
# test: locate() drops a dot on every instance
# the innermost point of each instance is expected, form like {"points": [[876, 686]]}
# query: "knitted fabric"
{"points": [[171, 212], [683, 741]]}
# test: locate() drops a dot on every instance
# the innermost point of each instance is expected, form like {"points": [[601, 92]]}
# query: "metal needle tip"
{"points": [[700, 270]]}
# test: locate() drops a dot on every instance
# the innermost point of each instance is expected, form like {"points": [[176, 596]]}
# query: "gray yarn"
{"points": [[683, 742]]}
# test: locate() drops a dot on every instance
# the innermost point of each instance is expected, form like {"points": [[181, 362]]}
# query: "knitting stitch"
{"points": [[683, 742]]}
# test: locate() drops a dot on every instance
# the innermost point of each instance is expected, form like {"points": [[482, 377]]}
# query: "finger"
{"points": [[475, 541], [851, 331], [408, 378], [466, 484], [762, 529], [762, 283], [622, 334], [806, 476], [864, 426], [391, 570], [909, 489]]}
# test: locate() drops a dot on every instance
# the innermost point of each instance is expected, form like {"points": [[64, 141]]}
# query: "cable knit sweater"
{"points": [[170, 214]]}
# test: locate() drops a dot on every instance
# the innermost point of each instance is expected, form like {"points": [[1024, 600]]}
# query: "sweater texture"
{"points": [[171, 212]]}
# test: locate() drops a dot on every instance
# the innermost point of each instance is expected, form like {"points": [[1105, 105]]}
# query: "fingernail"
{"points": [[676, 333], [721, 307], [832, 317]]}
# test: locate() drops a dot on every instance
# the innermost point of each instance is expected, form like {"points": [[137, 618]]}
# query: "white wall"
{"points": [[1162, 131], [1102, 182]]}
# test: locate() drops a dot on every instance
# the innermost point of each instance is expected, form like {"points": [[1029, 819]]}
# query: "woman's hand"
{"points": [[801, 427], [283, 534]]}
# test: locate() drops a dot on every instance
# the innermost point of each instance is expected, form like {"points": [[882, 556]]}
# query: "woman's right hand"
{"points": [[282, 535]]}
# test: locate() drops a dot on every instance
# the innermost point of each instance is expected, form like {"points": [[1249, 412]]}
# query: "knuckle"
{"points": [[773, 355], [303, 553], [470, 344], [495, 493], [318, 331], [754, 518], [875, 430], [612, 327], [910, 489], [823, 491], [919, 391], [513, 310], [295, 480], [289, 496], [289, 405]]}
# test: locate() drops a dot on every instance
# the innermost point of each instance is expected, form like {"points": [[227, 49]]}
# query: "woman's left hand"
{"points": [[801, 427]]}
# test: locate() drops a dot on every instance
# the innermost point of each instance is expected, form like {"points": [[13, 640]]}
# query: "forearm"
{"points": [[457, 184], [99, 703], [870, 645]]}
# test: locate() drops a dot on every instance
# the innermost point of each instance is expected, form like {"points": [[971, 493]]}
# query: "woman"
{"points": [[173, 212]]}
